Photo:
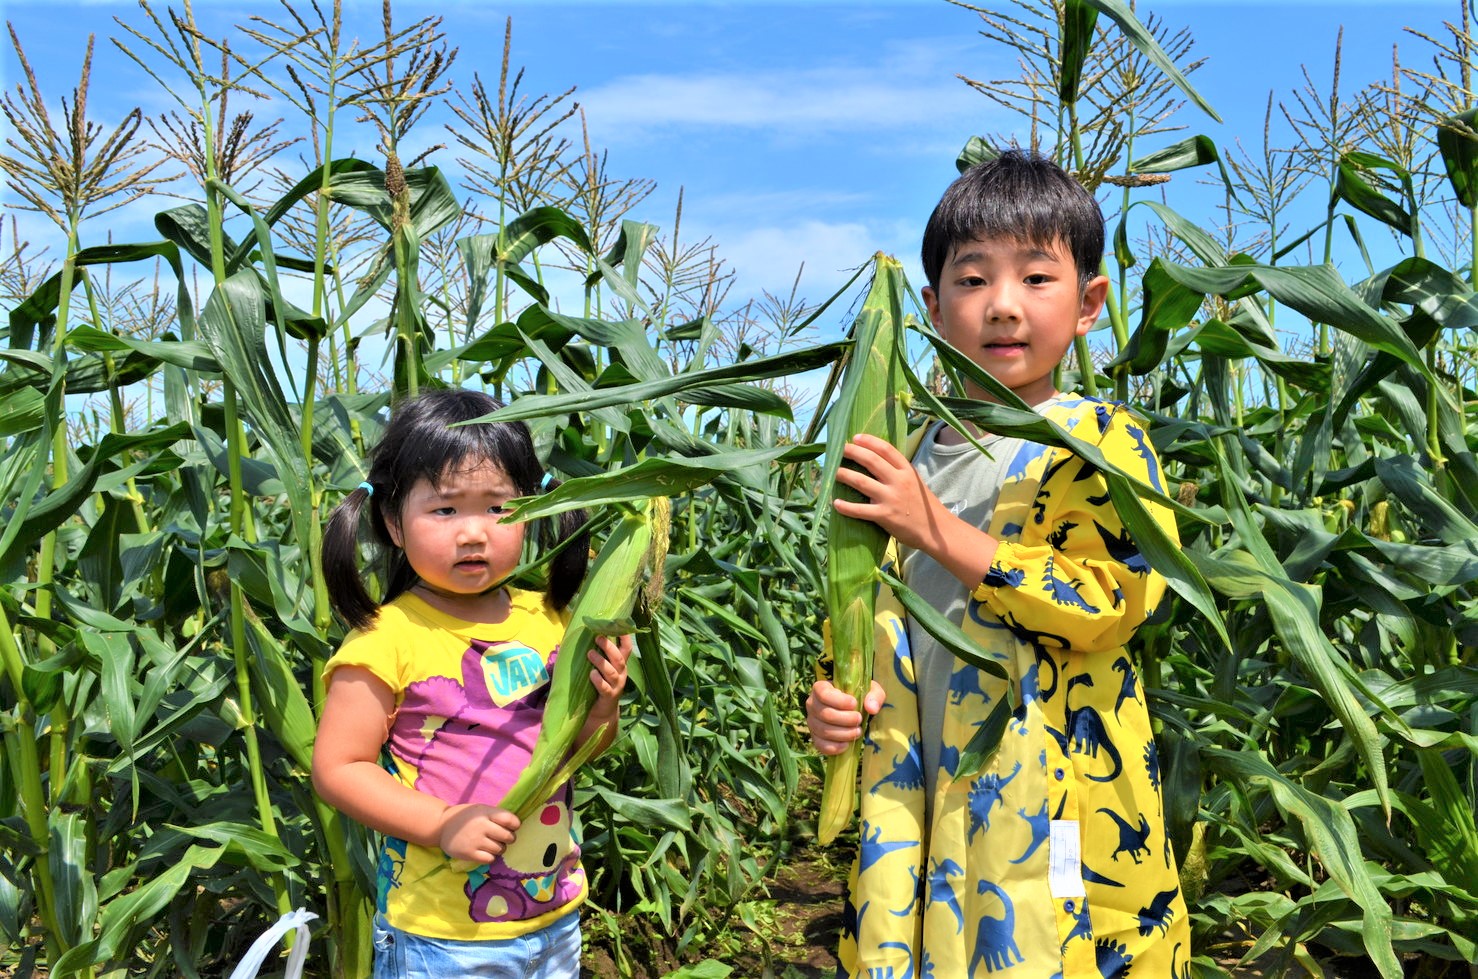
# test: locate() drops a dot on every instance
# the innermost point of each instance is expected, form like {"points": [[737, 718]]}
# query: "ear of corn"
{"points": [[604, 606], [872, 401]]}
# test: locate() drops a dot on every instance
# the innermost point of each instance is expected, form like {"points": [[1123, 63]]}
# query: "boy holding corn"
{"points": [[1053, 860]]}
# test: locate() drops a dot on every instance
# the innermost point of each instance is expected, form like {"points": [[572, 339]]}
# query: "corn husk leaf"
{"points": [[871, 400], [605, 606]]}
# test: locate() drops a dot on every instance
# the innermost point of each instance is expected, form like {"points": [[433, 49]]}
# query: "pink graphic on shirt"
{"points": [[468, 741]]}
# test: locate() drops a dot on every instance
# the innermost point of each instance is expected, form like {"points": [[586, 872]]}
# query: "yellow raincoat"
{"points": [[1076, 780]]}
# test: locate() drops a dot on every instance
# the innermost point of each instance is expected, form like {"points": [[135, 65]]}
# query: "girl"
{"points": [[450, 674]]}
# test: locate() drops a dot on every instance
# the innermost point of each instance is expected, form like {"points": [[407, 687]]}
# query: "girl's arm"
{"points": [[609, 676], [347, 774]]}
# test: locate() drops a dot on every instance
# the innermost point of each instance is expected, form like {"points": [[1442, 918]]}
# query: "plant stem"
{"points": [[25, 763]]}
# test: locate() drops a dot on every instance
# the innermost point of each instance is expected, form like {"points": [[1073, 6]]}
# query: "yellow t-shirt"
{"points": [[469, 704]]}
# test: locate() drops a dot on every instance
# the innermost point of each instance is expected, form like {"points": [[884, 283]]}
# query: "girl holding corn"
{"points": [[447, 680]]}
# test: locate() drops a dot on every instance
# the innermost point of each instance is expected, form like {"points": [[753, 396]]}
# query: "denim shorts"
{"points": [[552, 952]]}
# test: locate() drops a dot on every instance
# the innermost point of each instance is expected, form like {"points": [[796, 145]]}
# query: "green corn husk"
{"points": [[604, 606], [872, 400]]}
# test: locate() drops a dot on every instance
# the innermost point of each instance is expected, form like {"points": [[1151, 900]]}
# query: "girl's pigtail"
{"points": [[340, 550], [567, 569]]}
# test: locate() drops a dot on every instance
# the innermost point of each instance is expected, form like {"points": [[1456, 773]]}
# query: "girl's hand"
{"points": [[475, 832], [608, 676], [833, 717]]}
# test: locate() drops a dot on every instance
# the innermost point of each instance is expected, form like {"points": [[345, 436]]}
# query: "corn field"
{"points": [[179, 414]]}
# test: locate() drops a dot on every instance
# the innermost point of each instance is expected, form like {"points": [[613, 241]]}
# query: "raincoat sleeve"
{"points": [[1075, 578]]}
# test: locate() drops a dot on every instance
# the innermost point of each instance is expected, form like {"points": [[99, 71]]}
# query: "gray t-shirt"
{"points": [[968, 482]]}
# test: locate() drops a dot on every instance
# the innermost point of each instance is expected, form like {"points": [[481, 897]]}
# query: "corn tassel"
{"points": [[872, 400], [603, 607]]}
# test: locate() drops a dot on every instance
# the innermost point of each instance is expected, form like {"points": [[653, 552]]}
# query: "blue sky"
{"points": [[817, 132]]}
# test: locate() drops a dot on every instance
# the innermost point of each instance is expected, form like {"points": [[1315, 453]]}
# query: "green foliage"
{"points": [[163, 620]]}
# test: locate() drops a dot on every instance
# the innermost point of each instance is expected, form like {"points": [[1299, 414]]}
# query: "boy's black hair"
{"points": [[1018, 195], [420, 442]]}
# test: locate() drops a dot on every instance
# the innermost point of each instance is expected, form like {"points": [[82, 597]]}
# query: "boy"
{"points": [[1053, 860]]}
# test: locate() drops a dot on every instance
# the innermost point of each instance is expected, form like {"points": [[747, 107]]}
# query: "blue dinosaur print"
{"points": [[887, 972], [908, 771], [1128, 687], [985, 793], [939, 890], [1064, 592], [1121, 548], [1086, 733], [949, 758], [1131, 841], [1183, 971], [1158, 914], [1082, 924], [995, 938], [964, 682], [902, 654], [1024, 457], [1146, 452], [913, 902], [1112, 958], [1152, 764], [1031, 680], [998, 576], [982, 616], [1058, 538], [1033, 637], [1039, 504], [1094, 877], [387, 873], [1010, 531], [1040, 826], [873, 848]]}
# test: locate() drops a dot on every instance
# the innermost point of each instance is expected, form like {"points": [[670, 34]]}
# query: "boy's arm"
{"points": [[1081, 584], [1076, 578], [900, 503]]}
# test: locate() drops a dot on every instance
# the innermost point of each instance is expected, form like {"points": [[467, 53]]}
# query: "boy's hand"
{"points": [[476, 832], [897, 499], [833, 717], [900, 503]]}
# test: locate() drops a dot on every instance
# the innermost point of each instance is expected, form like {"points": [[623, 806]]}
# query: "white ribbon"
{"points": [[257, 954]]}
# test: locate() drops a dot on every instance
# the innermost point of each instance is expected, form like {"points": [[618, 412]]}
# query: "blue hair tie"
{"points": [[369, 488], [544, 483]]}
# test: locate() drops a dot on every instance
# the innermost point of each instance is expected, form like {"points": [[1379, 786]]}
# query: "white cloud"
{"points": [[907, 85], [767, 257], [809, 99]]}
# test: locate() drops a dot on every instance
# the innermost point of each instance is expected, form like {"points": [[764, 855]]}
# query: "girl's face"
{"points": [[452, 538]]}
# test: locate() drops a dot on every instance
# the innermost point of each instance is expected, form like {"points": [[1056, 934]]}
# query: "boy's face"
{"points": [[1014, 308]]}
